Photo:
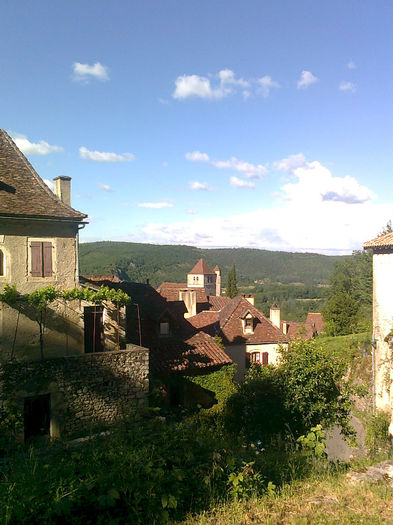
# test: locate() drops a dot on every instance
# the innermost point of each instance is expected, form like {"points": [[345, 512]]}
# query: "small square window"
{"points": [[164, 328]]}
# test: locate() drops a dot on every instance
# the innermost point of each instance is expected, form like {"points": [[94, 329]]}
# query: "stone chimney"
{"points": [[217, 271], [189, 298], [63, 189], [284, 327], [275, 314]]}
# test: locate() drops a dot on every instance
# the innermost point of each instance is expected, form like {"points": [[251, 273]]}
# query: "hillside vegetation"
{"points": [[138, 262]]}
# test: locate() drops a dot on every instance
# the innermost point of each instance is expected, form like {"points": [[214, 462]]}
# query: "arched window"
{"points": [[2, 263]]}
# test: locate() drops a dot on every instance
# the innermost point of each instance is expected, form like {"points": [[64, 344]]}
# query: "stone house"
{"points": [[382, 248], [176, 349], [85, 377], [248, 336]]}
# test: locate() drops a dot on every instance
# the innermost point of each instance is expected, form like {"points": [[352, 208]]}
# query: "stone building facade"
{"points": [[382, 248], [84, 378]]}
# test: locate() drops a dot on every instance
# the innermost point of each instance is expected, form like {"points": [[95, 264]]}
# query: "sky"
{"points": [[255, 123]]}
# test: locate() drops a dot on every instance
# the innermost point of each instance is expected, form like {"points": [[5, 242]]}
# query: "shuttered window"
{"points": [[41, 259]]}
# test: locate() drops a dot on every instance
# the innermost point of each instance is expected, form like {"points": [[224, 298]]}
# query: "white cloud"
{"points": [[266, 84], [84, 72], [50, 184], [347, 86], [155, 205], [196, 86], [197, 156], [104, 156], [291, 163], [251, 171], [31, 148], [351, 65], [306, 79], [105, 187], [192, 211], [239, 183], [317, 212], [201, 186]]}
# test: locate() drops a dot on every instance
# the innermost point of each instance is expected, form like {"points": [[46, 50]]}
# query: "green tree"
{"points": [[349, 304], [231, 289], [305, 389]]}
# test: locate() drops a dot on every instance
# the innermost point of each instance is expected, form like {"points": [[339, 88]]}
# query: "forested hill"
{"points": [[138, 262]]}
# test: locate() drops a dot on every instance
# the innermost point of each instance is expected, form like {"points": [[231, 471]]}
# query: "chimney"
{"points": [[217, 271], [147, 281], [275, 314], [250, 298], [63, 189], [284, 327]]}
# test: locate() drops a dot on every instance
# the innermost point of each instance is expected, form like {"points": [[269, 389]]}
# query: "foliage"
{"points": [[40, 299], [388, 228], [313, 443], [350, 296], [304, 390], [231, 289], [377, 432], [138, 262], [220, 382]]}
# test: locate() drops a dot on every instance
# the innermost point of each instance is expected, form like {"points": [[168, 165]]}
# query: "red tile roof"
{"points": [[170, 291], [217, 302], [228, 324], [196, 353], [22, 191], [316, 320], [380, 241], [202, 267]]}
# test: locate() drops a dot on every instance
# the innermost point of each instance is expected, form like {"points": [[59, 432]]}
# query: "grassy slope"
{"points": [[138, 262], [330, 500]]}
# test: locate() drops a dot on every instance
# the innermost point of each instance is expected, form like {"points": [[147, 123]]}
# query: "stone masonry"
{"points": [[86, 391]]}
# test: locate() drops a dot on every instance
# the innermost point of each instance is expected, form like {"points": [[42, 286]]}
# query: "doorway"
{"points": [[36, 417], [94, 328]]}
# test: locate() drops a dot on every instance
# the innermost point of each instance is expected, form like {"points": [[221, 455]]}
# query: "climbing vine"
{"points": [[40, 299]]}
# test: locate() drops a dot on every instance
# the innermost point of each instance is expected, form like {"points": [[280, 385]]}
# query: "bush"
{"points": [[305, 390], [377, 432]]}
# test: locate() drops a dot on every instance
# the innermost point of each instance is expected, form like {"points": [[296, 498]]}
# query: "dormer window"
{"points": [[164, 328], [248, 324]]}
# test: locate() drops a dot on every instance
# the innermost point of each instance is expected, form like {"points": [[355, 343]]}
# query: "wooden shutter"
{"points": [[265, 358], [36, 258], [1, 263], [47, 252]]}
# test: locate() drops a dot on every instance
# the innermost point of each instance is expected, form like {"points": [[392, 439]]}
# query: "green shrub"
{"points": [[377, 432]]}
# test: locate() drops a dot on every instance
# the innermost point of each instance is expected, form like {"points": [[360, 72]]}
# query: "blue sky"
{"points": [[257, 123]]}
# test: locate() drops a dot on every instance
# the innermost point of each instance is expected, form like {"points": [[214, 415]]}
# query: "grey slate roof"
{"points": [[22, 191]]}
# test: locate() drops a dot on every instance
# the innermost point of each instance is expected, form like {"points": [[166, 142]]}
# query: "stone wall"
{"points": [[85, 391]]}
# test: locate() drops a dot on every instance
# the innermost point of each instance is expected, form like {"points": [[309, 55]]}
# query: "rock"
{"points": [[381, 472]]}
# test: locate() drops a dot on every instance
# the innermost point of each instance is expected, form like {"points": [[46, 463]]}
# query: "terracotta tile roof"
{"points": [[22, 192], [227, 323], [316, 320], [298, 330], [207, 321], [170, 291], [196, 353], [217, 302], [380, 241], [202, 267], [232, 327]]}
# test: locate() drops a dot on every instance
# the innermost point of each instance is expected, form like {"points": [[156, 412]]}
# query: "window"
{"points": [[164, 328], [2, 264], [255, 357], [248, 324], [41, 259]]}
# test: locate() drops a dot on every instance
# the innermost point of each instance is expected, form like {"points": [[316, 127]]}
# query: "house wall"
{"points": [[238, 355], [85, 391], [15, 237], [382, 325]]}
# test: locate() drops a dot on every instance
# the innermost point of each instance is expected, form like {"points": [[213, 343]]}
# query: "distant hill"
{"points": [[138, 262]]}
